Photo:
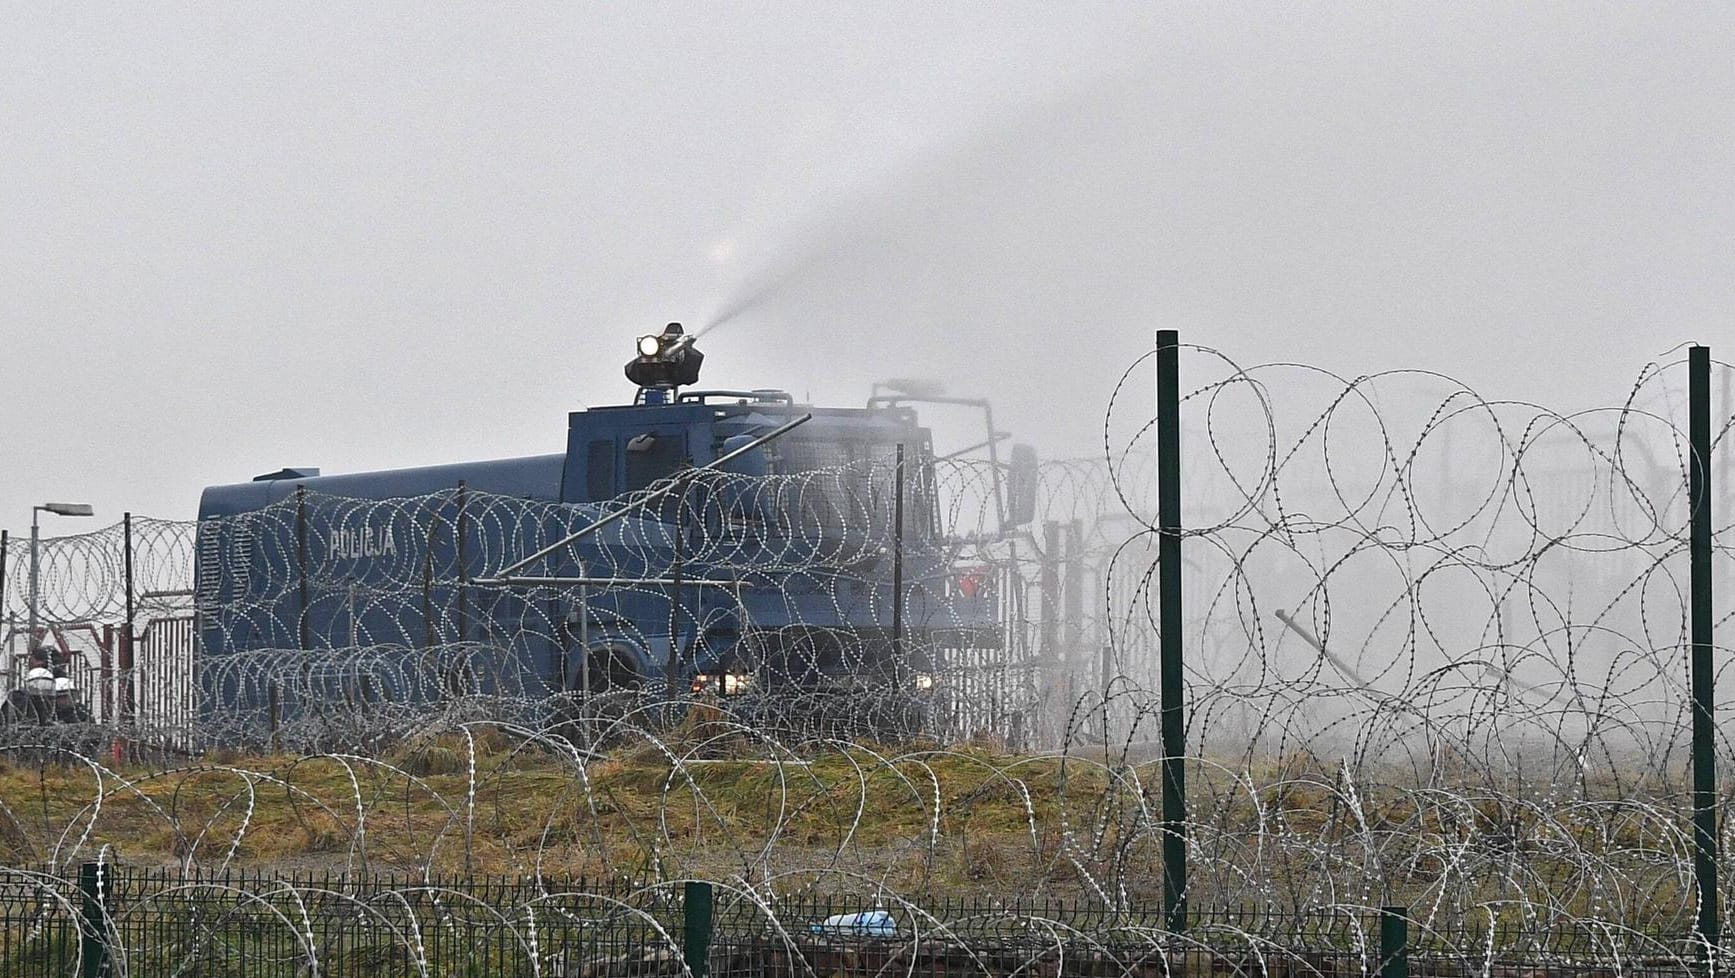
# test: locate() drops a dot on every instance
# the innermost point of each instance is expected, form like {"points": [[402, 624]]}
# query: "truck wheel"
{"points": [[614, 692]]}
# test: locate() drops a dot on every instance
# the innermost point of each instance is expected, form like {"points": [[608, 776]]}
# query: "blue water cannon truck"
{"points": [[709, 540]]}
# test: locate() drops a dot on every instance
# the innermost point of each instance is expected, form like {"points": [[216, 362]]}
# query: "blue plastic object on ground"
{"points": [[867, 923]]}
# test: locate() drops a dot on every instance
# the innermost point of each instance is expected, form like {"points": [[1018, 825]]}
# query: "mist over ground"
{"points": [[241, 239]]}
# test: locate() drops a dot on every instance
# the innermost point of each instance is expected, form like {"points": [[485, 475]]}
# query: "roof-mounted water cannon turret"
{"points": [[665, 362]]}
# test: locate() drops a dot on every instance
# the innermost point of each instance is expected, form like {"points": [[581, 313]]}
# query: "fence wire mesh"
{"points": [[129, 921], [1435, 650]]}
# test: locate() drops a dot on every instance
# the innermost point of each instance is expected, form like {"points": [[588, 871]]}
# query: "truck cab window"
{"points": [[599, 469], [652, 456]]}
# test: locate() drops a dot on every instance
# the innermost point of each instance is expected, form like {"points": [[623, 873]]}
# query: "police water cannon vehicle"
{"points": [[730, 540]]}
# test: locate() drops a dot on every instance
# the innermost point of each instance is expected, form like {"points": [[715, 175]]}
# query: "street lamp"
{"points": [[58, 509]]}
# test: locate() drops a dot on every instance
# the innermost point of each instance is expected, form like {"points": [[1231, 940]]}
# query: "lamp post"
{"points": [[58, 509]]}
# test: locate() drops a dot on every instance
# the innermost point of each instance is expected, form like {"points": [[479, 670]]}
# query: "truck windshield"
{"points": [[848, 488]]}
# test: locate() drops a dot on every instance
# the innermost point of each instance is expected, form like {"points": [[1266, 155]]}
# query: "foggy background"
{"points": [[238, 238]]}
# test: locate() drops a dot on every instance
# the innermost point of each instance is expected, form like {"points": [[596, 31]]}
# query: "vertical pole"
{"points": [[1107, 681], [301, 561], [93, 935], [584, 637], [675, 594], [1072, 613], [463, 616], [105, 672], [124, 661], [1174, 734], [428, 580], [5, 545], [898, 568], [35, 542], [460, 595], [731, 658], [1072, 593], [274, 704], [5, 541], [1049, 581], [697, 909], [584, 705], [1703, 675], [1394, 942]]}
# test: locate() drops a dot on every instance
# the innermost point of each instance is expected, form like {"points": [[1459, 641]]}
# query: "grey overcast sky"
{"points": [[240, 236]]}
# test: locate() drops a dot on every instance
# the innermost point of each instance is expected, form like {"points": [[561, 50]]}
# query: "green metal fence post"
{"points": [[1703, 676], [697, 911], [1394, 942], [1171, 679], [93, 935]]}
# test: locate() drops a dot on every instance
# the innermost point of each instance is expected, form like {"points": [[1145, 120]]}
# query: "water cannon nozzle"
{"points": [[666, 360]]}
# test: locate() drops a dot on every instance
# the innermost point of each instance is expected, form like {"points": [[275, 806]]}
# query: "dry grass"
{"points": [[972, 819], [911, 819]]}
